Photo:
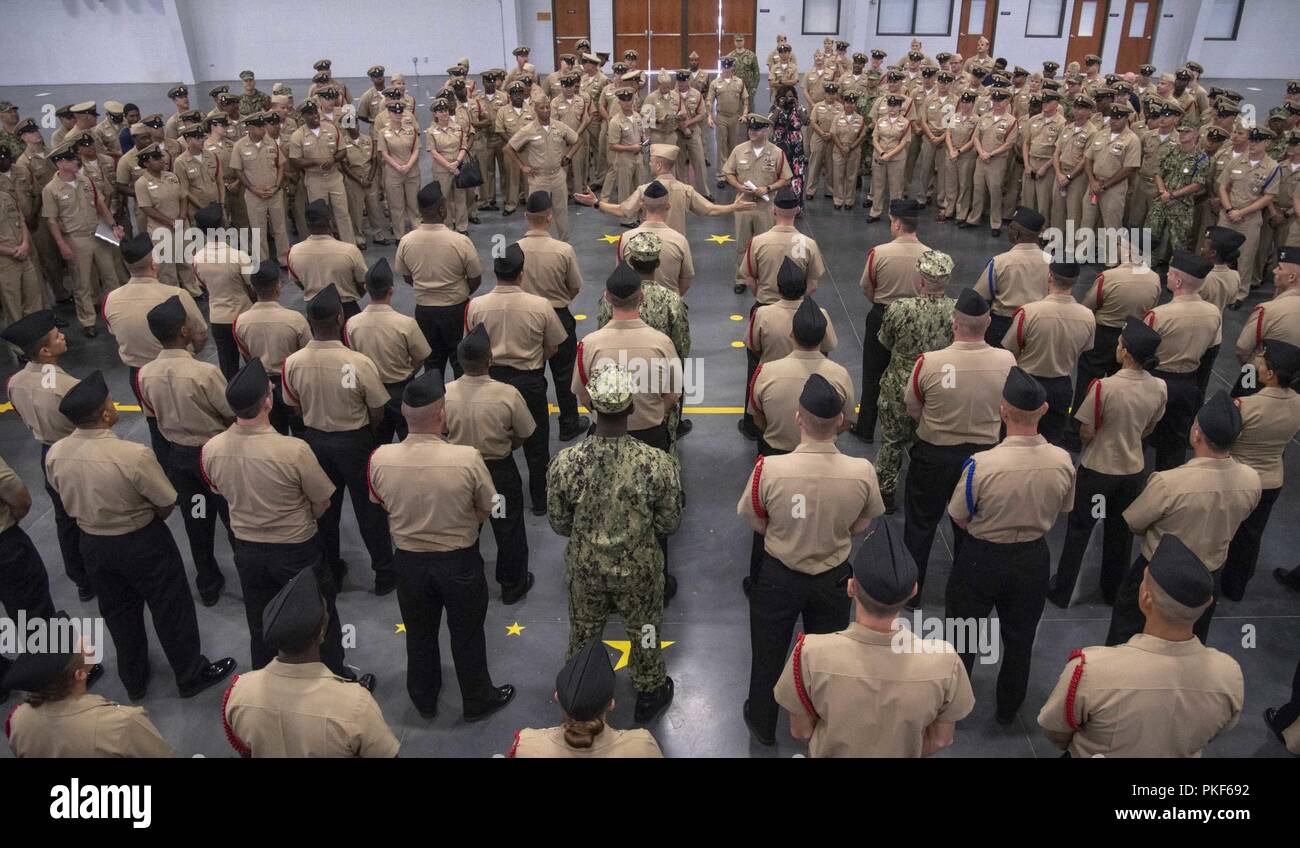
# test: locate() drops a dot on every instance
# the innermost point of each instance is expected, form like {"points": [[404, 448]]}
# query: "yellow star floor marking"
{"points": [[399, 628], [737, 344], [579, 317], [736, 317], [515, 629], [120, 407], [610, 239], [624, 648], [719, 239]]}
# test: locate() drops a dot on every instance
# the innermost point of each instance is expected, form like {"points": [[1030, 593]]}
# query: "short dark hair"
{"points": [[643, 266]]}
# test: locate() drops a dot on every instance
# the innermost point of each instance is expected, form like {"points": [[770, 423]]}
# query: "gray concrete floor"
{"points": [[708, 621]]}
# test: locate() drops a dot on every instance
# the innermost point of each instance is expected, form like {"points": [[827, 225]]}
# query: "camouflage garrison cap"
{"points": [[6, 106], [610, 387], [934, 263], [247, 75], [281, 88], [644, 247]]}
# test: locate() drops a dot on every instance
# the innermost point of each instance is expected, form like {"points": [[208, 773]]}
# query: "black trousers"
{"points": [[561, 364], [344, 457], [779, 598], [756, 552], [159, 444], [1169, 438], [931, 478], [1060, 392], [350, 308], [1011, 578], [443, 328], [223, 336], [875, 357], [997, 331], [69, 534], [1289, 713], [1206, 368], [656, 437], [24, 584], [199, 507], [751, 365], [137, 570], [426, 584], [1243, 551], [1093, 365], [393, 423], [508, 529], [1127, 620], [1097, 497], [284, 418], [537, 447], [264, 568]]}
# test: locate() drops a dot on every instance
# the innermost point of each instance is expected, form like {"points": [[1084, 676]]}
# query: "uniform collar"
{"points": [[979, 345], [1276, 391], [1024, 441], [302, 671], [806, 354], [861, 633], [174, 353], [73, 706], [38, 368], [507, 288], [784, 228], [424, 438], [318, 343], [93, 434], [817, 447], [424, 226], [1061, 298], [474, 379], [1292, 292], [266, 304], [1026, 246], [626, 323], [791, 305], [144, 281], [537, 234], [1156, 645], [1132, 373], [251, 430], [1211, 462], [378, 307], [1185, 298]]}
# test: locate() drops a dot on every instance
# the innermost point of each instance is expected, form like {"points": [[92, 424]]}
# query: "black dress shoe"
{"points": [[768, 739], [507, 212], [995, 232], [890, 506], [1004, 719], [684, 426], [739, 288], [385, 583], [473, 219], [514, 594], [748, 432], [670, 588], [872, 220], [137, 695], [86, 593], [92, 676], [1057, 600], [89, 332], [866, 204], [210, 675], [1270, 720], [500, 696], [428, 715], [1236, 304], [338, 570], [1287, 579], [539, 509], [209, 599], [569, 435], [60, 322], [628, 224], [650, 704], [383, 242], [368, 682], [961, 225]]}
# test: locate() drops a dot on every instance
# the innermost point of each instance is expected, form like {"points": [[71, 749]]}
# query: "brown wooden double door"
{"points": [[664, 32]]}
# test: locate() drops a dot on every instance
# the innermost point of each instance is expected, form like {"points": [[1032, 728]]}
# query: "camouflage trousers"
{"points": [[1171, 226], [637, 598], [897, 429]]}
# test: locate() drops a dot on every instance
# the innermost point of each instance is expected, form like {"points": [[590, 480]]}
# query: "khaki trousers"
{"points": [[988, 189], [93, 274], [329, 188], [958, 184], [749, 224], [400, 191], [268, 214]]}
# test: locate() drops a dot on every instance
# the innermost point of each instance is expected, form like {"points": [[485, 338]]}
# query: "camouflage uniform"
{"points": [[612, 498], [865, 101], [18, 146], [911, 326], [255, 102], [1172, 224], [746, 67]]}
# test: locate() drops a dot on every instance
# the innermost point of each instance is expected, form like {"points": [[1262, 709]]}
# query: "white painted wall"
{"points": [[1265, 47]]}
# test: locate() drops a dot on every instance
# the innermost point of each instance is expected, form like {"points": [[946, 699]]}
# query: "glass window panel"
{"points": [[1087, 18], [1137, 27], [1044, 18]]}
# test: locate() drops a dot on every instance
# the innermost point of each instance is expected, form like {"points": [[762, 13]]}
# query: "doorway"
{"points": [[1087, 29], [664, 33], [1140, 18], [979, 18]]}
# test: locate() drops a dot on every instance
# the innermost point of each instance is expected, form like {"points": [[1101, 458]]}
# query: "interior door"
{"points": [[738, 18], [632, 29], [1087, 29], [1140, 18], [978, 18], [667, 37], [703, 32], [571, 20]]}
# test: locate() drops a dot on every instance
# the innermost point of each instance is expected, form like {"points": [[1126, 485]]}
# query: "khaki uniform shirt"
{"points": [[1123, 292], [521, 326], [811, 499], [993, 131], [1246, 182], [35, 392], [488, 415], [890, 272], [887, 133], [1187, 326], [186, 395], [960, 391], [570, 112], [1270, 420], [875, 693], [84, 727], [319, 260], [1072, 144], [1048, 335], [259, 162], [109, 485], [270, 332], [675, 262], [775, 388], [314, 148], [1145, 698], [550, 268], [11, 486], [440, 262], [1109, 155], [162, 193], [770, 327], [1202, 502], [223, 270], [1123, 409], [682, 198], [305, 710], [543, 148], [727, 96], [73, 205], [1015, 491], [335, 388], [609, 743], [423, 469], [1014, 278], [393, 341], [1278, 319], [510, 120], [1220, 287], [126, 312], [761, 168], [766, 251], [269, 481], [99, 171], [201, 175], [1042, 134], [632, 342]]}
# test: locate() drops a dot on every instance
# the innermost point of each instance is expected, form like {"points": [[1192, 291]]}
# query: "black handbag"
{"points": [[470, 176]]}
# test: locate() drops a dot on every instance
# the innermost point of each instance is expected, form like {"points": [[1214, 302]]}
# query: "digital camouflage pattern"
{"points": [[613, 498], [255, 102], [746, 67], [662, 309], [1172, 224], [910, 327]]}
